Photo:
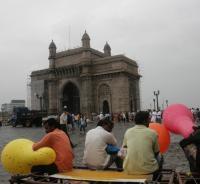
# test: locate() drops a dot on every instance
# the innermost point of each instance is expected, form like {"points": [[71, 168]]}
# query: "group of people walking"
{"points": [[137, 155], [68, 121]]}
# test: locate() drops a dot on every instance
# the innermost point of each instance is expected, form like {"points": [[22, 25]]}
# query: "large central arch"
{"points": [[71, 98]]}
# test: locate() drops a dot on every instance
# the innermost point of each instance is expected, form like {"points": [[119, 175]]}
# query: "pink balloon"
{"points": [[178, 119]]}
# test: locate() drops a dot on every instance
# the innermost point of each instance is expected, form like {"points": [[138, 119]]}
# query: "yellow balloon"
{"points": [[18, 156]]}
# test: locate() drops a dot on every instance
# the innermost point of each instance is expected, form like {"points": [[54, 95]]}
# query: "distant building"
{"points": [[86, 80], [28, 98], [8, 107]]}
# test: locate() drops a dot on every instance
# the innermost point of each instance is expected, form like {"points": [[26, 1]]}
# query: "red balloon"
{"points": [[163, 136]]}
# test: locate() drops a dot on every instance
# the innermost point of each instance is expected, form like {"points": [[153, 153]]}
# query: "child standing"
{"points": [[83, 123]]}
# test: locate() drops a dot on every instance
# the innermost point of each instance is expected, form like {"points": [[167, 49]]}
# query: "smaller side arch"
{"points": [[104, 98]]}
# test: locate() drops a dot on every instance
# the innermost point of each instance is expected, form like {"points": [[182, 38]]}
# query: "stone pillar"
{"points": [[86, 92], [52, 97], [120, 94], [86, 102], [137, 94], [51, 63]]}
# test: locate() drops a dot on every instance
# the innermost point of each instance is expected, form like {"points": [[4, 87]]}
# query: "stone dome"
{"points": [[107, 46], [52, 45], [107, 49], [85, 36]]}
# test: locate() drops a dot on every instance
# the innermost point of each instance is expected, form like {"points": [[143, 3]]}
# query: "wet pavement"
{"points": [[174, 157]]}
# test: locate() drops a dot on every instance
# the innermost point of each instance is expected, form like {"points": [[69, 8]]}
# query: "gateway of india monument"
{"points": [[86, 81]]}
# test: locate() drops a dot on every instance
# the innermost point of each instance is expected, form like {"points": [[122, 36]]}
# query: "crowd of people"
{"points": [[137, 155], [118, 117]]}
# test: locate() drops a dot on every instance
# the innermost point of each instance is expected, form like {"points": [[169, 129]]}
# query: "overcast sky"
{"points": [[163, 36]]}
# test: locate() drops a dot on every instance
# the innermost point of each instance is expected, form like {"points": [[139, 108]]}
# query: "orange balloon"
{"points": [[163, 136]]}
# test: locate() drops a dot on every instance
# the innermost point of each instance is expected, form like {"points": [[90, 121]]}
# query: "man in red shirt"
{"points": [[59, 142]]}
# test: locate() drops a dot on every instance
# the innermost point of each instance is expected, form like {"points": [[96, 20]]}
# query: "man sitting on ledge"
{"points": [[59, 142], [142, 147], [100, 146]]}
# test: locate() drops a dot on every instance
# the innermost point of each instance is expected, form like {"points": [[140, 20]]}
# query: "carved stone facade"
{"points": [[86, 80]]}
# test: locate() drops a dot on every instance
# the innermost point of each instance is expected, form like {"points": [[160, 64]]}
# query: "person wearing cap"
{"points": [[60, 143], [64, 118], [101, 116]]}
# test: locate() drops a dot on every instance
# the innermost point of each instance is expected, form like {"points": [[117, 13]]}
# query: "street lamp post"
{"points": [[166, 103], [40, 98], [156, 93], [154, 104]]}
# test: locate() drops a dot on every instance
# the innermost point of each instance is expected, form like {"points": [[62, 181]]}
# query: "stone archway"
{"points": [[71, 98]]}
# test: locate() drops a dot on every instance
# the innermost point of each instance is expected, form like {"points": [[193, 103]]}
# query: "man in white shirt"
{"points": [[97, 139], [153, 116], [64, 119], [63, 124], [158, 116], [101, 116]]}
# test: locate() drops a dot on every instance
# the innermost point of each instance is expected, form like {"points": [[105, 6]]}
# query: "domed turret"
{"points": [[85, 40], [52, 50], [52, 54], [107, 49]]}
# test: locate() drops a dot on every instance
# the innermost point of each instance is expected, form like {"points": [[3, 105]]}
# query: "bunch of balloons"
{"points": [[178, 119]]}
